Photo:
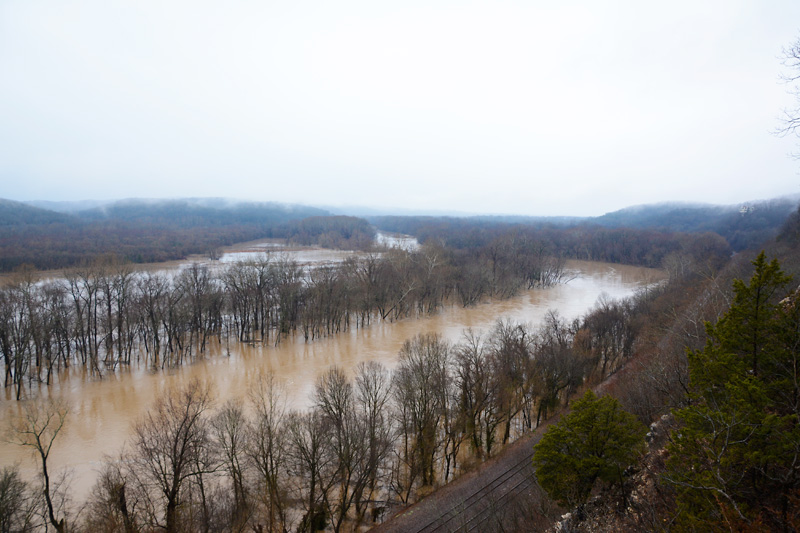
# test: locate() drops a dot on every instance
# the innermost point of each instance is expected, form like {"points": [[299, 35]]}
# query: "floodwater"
{"points": [[303, 255], [103, 411]]}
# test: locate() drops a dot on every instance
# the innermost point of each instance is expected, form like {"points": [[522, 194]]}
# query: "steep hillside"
{"points": [[657, 387]]}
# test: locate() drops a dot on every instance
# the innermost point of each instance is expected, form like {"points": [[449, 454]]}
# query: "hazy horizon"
{"points": [[75, 206], [507, 107]]}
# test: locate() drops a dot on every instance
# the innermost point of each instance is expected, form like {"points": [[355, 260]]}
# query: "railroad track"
{"points": [[468, 503], [476, 509]]}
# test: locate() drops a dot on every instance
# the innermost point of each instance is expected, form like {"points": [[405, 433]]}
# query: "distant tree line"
{"points": [[644, 247], [741, 227], [349, 233], [67, 245], [139, 232]]}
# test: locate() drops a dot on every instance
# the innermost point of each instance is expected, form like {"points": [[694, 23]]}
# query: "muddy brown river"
{"points": [[102, 411]]}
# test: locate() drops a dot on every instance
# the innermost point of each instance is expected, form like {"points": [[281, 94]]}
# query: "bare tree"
{"points": [[152, 292], [287, 278], [267, 448], [240, 281], [559, 369], [115, 502], [170, 447], [420, 380], [791, 116], [612, 333], [373, 392], [203, 300], [511, 352], [85, 292], [366, 274], [37, 429], [312, 465], [230, 429], [114, 280], [16, 332], [474, 384], [17, 502], [334, 399]]}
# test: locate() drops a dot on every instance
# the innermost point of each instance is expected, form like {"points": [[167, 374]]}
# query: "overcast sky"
{"points": [[537, 108]]}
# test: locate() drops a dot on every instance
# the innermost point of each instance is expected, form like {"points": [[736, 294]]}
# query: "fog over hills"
{"points": [[16, 213], [61, 234], [677, 216]]}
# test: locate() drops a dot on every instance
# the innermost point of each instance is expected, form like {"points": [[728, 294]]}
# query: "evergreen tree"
{"points": [[598, 440], [734, 459]]}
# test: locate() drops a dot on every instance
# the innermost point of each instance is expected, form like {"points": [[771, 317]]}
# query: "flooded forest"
{"points": [[485, 341]]}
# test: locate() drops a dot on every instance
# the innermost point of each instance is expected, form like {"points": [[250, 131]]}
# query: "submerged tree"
{"points": [[596, 441]]}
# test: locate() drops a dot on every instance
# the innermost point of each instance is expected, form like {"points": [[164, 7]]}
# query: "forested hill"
{"points": [[159, 230], [743, 226], [135, 230], [17, 214]]}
